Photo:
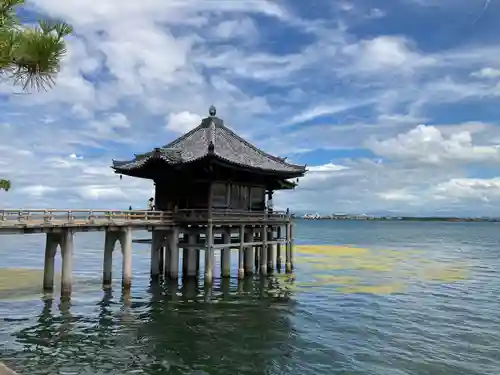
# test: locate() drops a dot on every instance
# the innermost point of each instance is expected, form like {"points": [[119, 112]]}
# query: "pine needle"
{"points": [[30, 56]]}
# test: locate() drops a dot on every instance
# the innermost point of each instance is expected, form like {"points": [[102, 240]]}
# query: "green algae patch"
{"points": [[372, 289], [351, 269], [329, 250], [445, 273], [22, 278], [26, 283], [19, 283]]}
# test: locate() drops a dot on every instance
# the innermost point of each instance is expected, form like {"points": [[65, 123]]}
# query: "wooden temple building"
{"points": [[213, 192], [218, 188]]}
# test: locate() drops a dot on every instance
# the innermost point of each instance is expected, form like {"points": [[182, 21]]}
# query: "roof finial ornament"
{"points": [[212, 111]]}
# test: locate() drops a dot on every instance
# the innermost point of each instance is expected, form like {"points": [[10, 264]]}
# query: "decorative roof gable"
{"points": [[213, 138]]}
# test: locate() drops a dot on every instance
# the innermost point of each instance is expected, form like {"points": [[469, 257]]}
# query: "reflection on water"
{"points": [[234, 327], [404, 299]]}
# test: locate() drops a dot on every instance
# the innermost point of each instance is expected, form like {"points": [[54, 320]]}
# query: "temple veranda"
{"points": [[213, 192]]}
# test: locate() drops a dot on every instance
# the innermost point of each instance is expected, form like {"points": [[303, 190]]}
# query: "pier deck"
{"points": [[25, 221], [176, 236]]}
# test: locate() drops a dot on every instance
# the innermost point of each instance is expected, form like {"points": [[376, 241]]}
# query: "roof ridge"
{"points": [[255, 148]]}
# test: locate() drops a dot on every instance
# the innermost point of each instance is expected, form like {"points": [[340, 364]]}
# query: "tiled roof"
{"points": [[212, 137]]}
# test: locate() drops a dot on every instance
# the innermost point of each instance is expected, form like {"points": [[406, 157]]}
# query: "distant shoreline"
{"points": [[406, 218]]}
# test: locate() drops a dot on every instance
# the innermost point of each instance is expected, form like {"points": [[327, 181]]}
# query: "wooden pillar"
{"points": [[107, 269], [125, 238], [225, 266], [166, 251], [198, 253], [278, 249], [241, 253], [67, 261], [288, 264], [194, 240], [292, 249], [161, 257], [52, 241], [173, 264], [270, 250], [209, 255], [249, 252], [263, 253], [185, 252], [256, 238], [189, 261], [155, 254]]}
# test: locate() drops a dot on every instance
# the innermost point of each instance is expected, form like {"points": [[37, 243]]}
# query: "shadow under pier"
{"points": [[231, 326]]}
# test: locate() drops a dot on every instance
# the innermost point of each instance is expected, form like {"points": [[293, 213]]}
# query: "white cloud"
{"points": [[37, 190], [427, 144], [118, 120], [398, 195], [329, 167], [470, 188], [385, 53], [75, 156], [486, 73], [182, 122], [241, 28], [323, 110], [101, 192]]}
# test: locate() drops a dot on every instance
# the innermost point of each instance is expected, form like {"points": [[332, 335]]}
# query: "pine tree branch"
{"points": [[30, 56]]}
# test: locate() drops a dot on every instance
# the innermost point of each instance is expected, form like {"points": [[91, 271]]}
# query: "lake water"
{"points": [[404, 298]]}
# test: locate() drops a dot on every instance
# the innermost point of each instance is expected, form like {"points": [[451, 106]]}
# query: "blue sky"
{"points": [[393, 105]]}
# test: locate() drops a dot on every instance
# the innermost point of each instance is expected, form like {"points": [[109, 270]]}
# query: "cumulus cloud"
{"points": [[182, 122], [427, 144], [474, 189]]}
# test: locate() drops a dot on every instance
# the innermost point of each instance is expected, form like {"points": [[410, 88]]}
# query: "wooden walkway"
{"points": [[24, 221], [45, 221], [257, 236]]}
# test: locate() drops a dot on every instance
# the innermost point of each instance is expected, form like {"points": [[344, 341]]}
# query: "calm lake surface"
{"points": [[410, 298]]}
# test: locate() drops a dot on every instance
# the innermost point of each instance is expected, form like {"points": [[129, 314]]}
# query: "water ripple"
{"points": [[395, 303]]}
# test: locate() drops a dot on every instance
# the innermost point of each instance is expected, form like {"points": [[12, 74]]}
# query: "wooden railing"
{"points": [[110, 217], [25, 216], [221, 214]]}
